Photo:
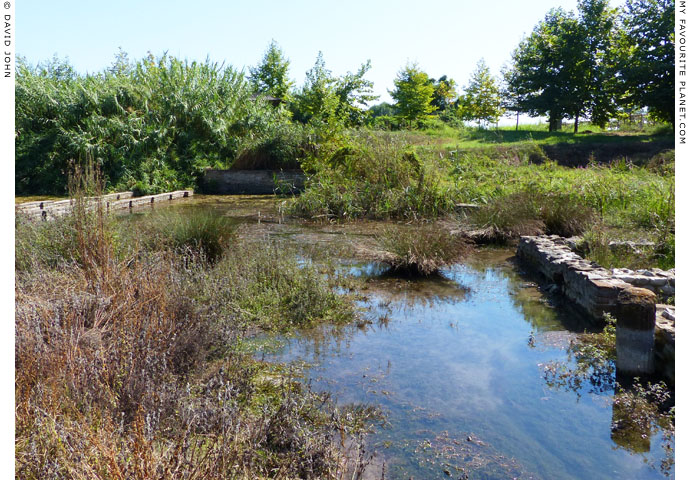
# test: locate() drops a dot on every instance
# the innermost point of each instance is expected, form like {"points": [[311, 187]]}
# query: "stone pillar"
{"points": [[635, 314]]}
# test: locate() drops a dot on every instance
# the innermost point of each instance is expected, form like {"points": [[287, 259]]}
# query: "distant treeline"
{"points": [[156, 123]]}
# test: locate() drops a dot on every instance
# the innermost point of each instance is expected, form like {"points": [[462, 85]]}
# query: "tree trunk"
{"points": [[555, 122], [577, 121], [517, 121]]}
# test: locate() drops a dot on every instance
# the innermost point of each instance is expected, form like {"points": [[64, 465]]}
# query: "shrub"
{"points": [[202, 232], [419, 250], [564, 215], [375, 176], [509, 217], [532, 213]]}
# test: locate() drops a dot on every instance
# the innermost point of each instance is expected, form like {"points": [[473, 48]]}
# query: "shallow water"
{"points": [[456, 362]]}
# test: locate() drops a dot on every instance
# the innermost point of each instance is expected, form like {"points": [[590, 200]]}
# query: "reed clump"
{"points": [[419, 250]]}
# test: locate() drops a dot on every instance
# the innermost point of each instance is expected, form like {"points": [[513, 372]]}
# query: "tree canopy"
{"points": [[648, 60], [270, 76], [413, 94], [481, 101]]}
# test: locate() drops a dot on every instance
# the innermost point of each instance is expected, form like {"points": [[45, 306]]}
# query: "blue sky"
{"points": [[444, 37]]}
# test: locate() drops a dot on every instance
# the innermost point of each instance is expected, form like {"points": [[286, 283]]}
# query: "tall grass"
{"points": [[153, 126], [129, 362], [419, 250], [374, 176]]}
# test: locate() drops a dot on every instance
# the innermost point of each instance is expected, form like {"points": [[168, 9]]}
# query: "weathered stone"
{"points": [[598, 291]]}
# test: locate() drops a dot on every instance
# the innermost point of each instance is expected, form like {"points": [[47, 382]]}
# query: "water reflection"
{"points": [[449, 358], [456, 363]]}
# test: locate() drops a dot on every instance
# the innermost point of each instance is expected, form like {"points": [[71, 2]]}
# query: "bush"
{"points": [[202, 232], [375, 176], [530, 213], [419, 250]]}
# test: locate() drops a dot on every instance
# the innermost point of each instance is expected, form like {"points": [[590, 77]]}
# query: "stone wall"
{"points": [[627, 295], [48, 210], [252, 182]]}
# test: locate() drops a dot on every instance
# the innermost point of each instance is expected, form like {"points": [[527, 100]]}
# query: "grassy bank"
{"points": [[130, 360], [519, 187]]}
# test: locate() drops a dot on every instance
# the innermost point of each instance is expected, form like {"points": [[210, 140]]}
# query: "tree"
{"points": [[481, 100], [563, 69], [270, 77], [513, 94], [413, 94], [317, 97], [444, 93], [647, 68], [353, 92], [121, 65]]}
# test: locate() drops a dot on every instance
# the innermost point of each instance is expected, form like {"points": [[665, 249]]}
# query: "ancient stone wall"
{"points": [[629, 296], [252, 182]]}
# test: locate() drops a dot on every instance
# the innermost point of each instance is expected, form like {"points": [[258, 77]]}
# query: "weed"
{"points": [[420, 249], [203, 232]]}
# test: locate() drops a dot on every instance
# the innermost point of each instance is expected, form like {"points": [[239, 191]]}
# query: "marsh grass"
{"points": [[202, 232], [374, 176], [131, 366], [418, 250]]}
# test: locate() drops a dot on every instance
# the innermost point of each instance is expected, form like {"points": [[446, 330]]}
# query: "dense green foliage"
{"points": [[481, 100], [154, 125], [647, 66], [374, 176], [270, 77], [596, 63], [413, 94]]}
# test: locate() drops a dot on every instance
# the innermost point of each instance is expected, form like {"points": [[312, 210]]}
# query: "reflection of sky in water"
{"points": [[451, 359]]}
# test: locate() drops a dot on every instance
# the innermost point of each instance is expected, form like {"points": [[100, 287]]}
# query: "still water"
{"points": [[457, 364]]}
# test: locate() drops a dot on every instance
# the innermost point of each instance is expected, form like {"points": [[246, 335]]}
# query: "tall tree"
{"points": [[413, 94], [563, 69], [270, 76], [444, 93], [481, 100], [317, 97], [513, 94], [354, 92], [647, 68]]}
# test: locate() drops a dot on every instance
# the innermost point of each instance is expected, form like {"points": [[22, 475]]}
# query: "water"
{"points": [[456, 362]]}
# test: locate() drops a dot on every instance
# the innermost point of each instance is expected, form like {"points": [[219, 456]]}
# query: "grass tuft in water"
{"points": [[419, 250]]}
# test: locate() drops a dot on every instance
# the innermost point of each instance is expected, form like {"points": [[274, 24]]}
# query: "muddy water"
{"points": [[457, 363]]}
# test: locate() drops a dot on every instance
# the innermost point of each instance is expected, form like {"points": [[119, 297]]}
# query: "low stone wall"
{"points": [[597, 290], [252, 182], [49, 210]]}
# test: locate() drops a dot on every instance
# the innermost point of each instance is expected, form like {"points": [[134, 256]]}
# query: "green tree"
{"points": [[121, 65], [513, 94], [445, 93], [648, 60], [271, 75], [565, 68], [317, 99], [354, 92], [481, 100], [413, 94]]}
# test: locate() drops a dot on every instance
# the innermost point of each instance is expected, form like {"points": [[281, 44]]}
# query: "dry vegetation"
{"points": [[128, 360]]}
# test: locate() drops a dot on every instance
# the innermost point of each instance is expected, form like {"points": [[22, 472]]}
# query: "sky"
{"points": [[444, 37]]}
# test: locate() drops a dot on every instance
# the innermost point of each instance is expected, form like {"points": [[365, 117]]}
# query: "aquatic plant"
{"points": [[418, 249], [202, 232]]}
